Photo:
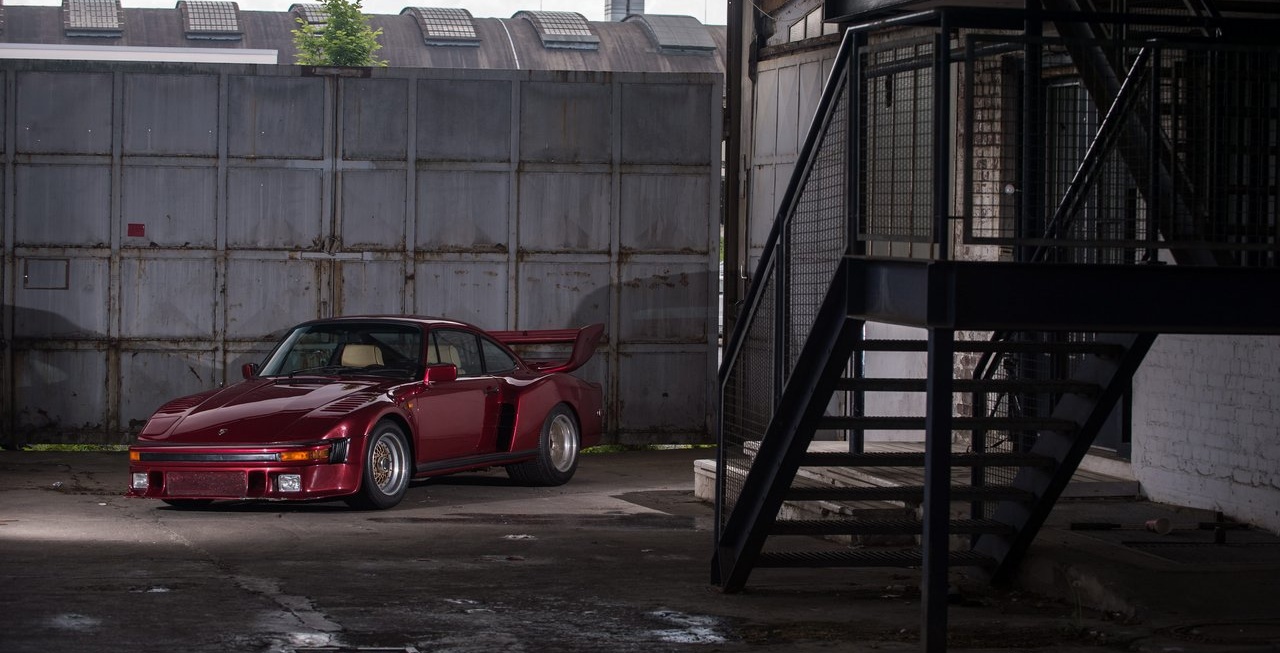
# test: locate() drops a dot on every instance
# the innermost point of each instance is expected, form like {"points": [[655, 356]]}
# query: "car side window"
{"points": [[496, 359], [457, 347]]}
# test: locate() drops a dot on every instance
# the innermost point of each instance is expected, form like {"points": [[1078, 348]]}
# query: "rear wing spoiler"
{"points": [[584, 340]]}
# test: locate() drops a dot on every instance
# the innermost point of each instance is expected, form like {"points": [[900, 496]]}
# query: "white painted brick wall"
{"points": [[1206, 425]]}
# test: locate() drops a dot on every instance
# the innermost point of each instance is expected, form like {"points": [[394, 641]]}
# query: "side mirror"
{"points": [[440, 373], [249, 370]]}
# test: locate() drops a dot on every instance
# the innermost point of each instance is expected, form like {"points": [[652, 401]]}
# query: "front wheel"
{"points": [[385, 476], [558, 446]]}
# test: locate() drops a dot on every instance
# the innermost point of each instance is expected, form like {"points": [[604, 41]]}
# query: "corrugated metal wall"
{"points": [[162, 224]]}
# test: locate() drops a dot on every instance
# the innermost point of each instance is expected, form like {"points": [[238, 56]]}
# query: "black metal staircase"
{"points": [[1035, 306]]}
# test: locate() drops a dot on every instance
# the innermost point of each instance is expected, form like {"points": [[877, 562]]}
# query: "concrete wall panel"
{"points": [[147, 376], [276, 117], [662, 392], [168, 298], [566, 122], [464, 210], [172, 115], [375, 119], [665, 302], [468, 290], [464, 120], [61, 296], [175, 206], [53, 377], [664, 212], [552, 295], [564, 212], [373, 210], [370, 288], [265, 297], [64, 113], [676, 135], [274, 208], [62, 205]]}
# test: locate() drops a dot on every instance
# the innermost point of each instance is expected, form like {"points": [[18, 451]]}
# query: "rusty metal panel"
{"points": [[562, 211], [373, 210], [278, 117], [46, 212], [464, 120], [149, 378], [555, 293], [274, 208], [665, 302], [370, 288], [264, 297], [567, 121], [169, 206], [64, 113], [62, 395], [462, 210], [374, 119], [171, 115], [664, 212], [168, 297], [666, 124], [463, 289], [61, 295], [662, 393]]}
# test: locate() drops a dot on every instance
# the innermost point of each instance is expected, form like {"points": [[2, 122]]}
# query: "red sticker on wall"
{"points": [[137, 230]]}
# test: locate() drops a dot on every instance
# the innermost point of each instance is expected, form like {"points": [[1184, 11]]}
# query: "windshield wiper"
{"points": [[323, 369]]}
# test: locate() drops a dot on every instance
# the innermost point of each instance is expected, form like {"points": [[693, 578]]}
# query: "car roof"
{"points": [[424, 320]]}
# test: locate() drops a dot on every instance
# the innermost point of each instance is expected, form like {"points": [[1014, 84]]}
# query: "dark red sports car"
{"points": [[355, 407]]}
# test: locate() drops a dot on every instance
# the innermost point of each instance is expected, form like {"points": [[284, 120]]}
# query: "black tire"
{"points": [[558, 448], [188, 504], [384, 478]]}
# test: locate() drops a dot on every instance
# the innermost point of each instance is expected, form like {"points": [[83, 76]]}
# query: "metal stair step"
{"points": [[969, 385], [884, 527], [987, 346], [993, 423], [864, 558], [907, 493], [916, 459]]}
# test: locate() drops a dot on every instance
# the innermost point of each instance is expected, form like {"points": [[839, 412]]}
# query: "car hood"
{"points": [[261, 411]]}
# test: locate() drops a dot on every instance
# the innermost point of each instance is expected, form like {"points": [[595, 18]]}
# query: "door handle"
{"points": [[491, 390]]}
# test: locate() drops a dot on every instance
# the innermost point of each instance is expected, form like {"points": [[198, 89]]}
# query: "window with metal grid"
{"points": [[209, 17], [92, 17], [445, 26], [311, 12], [561, 29]]}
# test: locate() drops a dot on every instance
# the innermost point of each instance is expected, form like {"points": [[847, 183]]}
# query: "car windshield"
{"points": [[348, 348]]}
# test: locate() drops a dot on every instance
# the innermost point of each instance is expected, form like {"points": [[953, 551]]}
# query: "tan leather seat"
{"points": [[357, 355]]}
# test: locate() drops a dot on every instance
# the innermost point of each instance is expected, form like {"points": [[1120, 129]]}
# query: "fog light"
{"points": [[140, 481], [289, 483]]}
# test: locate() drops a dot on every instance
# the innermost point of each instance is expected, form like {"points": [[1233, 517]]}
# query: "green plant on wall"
{"points": [[345, 39]]}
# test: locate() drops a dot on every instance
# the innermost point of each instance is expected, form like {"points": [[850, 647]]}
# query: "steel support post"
{"points": [[937, 489]]}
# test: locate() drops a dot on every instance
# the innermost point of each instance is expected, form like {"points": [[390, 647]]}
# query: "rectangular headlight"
{"points": [[140, 481], [289, 483]]}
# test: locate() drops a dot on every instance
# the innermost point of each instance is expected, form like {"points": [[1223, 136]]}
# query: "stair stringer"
{"points": [[803, 402], [1067, 448]]}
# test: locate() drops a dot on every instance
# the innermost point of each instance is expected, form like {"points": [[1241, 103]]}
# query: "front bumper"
{"points": [[206, 473]]}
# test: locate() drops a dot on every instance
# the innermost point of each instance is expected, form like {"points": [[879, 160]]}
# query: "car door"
{"points": [[454, 416]]}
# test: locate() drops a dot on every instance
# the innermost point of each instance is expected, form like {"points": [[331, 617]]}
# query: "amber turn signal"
{"points": [[306, 455]]}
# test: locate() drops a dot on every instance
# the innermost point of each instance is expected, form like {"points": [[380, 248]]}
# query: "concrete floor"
{"points": [[617, 560]]}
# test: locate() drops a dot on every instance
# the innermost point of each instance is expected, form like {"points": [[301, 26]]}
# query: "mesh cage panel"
{"points": [[898, 130], [815, 238]]}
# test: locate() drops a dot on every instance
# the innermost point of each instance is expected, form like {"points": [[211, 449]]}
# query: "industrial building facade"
{"points": [[165, 221]]}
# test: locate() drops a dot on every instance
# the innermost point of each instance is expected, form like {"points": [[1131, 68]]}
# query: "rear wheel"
{"points": [[385, 476], [558, 447]]}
